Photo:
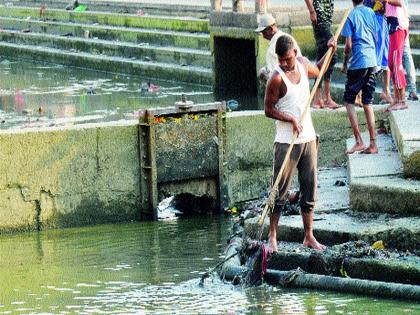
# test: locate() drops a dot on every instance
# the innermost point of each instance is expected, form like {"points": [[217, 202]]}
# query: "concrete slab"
{"points": [[336, 228], [333, 192], [386, 162], [377, 183], [390, 194], [405, 127]]}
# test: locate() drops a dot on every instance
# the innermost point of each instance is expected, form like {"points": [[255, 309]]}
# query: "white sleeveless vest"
{"points": [[293, 103]]}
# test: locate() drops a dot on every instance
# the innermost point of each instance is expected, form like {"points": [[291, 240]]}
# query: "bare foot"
{"points": [[372, 149], [386, 98], [318, 104], [313, 243], [396, 106], [331, 104], [272, 245], [357, 147]]}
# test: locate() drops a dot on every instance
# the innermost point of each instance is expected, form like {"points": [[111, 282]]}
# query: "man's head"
{"points": [[357, 2], [267, 26], [286, 52]]}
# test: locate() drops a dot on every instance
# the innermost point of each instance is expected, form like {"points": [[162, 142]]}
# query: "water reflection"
{"points": [[147, 268], [37, 94]]}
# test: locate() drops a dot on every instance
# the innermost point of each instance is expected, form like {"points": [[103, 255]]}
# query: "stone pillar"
{"points": [[261, 6], [216, 5], [238, 5]]}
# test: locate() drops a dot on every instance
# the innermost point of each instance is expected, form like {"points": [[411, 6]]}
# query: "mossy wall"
{"points": [[249, 148], [68, 177]]}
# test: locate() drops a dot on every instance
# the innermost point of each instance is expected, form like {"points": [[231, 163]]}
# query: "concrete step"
{"points": [[189, 74], [173, 55], [186, 24], [405, 126], [115, 33], [199, 11], [340, 227], [377, 183]]}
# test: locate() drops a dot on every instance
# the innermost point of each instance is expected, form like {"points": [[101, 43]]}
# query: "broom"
{"points": [[274, 190]]}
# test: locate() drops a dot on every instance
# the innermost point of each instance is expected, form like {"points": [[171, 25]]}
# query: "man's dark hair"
{"points": [[356, 2], [284, 44]]}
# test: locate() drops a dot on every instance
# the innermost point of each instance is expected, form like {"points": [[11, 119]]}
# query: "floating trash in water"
{"points": [[153, 88], [90, 91], [232, 104], [166, 211]]}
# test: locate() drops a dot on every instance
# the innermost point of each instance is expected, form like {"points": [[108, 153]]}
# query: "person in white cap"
{"points": [[267, 26]]}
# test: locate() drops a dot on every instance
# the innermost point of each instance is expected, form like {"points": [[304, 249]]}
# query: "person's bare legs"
{"points": [[272, 237], [309, 238], [399, 100], [386, 92], [329, 102], [359, 146], [318, 102], [370, 118]]}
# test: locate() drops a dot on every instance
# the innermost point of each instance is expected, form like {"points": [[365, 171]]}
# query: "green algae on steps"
{"points": [[141, 36], [194, 75], [126, 20], [157, 54]]}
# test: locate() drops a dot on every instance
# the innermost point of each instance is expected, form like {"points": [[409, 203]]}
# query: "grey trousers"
{"points": [[303, 158]]}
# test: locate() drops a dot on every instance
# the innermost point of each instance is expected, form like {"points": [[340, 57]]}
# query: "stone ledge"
{"points": [[386, 162], [337, 228], [405, 129], [392, 194]]}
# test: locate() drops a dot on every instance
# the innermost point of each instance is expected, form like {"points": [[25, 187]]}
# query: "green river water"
{"points": [[148, 268], [138, 268], [40, 95]]}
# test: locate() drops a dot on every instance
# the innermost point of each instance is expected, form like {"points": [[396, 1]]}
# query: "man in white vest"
{"points": [[286, 97], [267, 26]]}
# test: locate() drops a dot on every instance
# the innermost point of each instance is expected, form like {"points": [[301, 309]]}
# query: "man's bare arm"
{"points": [[272, 95], [312, 12], [347, 53], [397, 3]]}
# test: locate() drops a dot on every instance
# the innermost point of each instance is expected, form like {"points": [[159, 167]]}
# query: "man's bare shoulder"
{"points": [[303, 60], [275, 79]]}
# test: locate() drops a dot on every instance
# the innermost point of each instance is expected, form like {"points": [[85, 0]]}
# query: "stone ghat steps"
{"points": [[112, 33], [405, 127], [186, 24], [340, 227], [189, 74], [377, 182], [163, 47], [198, 11], [172, 55]]}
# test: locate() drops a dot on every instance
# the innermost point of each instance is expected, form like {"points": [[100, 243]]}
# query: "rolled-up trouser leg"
{"points": [[280, 150], [307, 176]]}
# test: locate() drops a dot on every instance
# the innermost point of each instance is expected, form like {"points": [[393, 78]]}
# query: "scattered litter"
{"points": [[80, 8], [378, 245], [232, 104], [166, 211], [339, 183]]}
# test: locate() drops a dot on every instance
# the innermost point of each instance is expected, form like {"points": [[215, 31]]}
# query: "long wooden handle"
{"points": [[271, 199]]}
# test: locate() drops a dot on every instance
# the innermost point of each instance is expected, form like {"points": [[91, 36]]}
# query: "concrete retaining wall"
{"points": [[68, 177], [89, 174]]}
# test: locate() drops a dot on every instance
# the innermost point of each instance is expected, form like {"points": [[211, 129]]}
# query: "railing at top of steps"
{"points": [[238, 6]]}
